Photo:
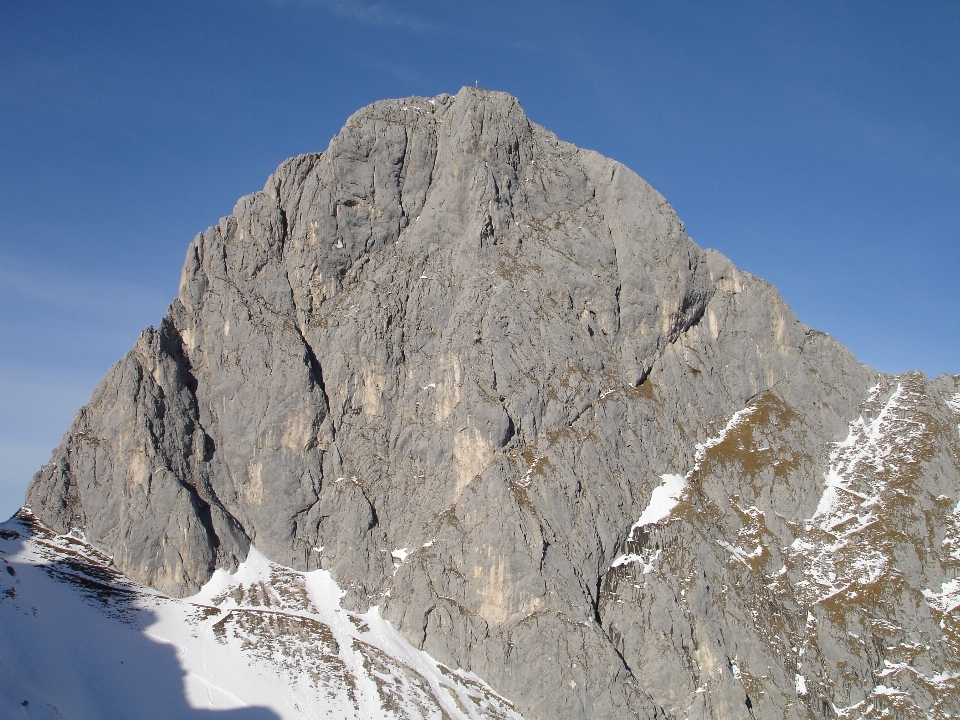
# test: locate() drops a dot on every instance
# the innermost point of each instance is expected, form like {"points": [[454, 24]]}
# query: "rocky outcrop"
{"points": [[451, 359]]}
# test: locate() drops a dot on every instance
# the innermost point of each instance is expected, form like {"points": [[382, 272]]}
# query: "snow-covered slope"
{"points": [[79, 640]]}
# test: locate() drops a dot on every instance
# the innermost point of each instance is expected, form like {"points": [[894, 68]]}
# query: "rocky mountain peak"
{"points": [[460, 364]]}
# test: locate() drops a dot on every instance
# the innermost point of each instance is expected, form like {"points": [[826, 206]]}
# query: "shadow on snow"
{"points": [[74, 643]]}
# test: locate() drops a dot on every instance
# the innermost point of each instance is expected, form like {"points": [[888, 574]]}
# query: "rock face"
{"points": [[452, 360]]}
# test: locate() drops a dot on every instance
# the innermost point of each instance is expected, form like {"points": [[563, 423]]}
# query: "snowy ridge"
{"points": [[869, 707], [264, 642], [861, 467], [738, 418], [865, 448], [854, 561], [954, 403], [849, 579], [846, 559]]}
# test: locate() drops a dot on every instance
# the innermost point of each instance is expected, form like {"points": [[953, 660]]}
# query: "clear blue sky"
{"points": [[817, 144]]}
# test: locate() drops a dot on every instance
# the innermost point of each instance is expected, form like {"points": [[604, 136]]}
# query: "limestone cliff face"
{"points": [[451, 359]]}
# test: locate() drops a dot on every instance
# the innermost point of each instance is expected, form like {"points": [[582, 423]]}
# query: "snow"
{"points": [[954, 404], [667, 495], [662, 501], [866, 445], [948, 599], [400, 554], [525, 478], [648, 561], [262, 643], [738, 553], [845, 552], [801, 684], [937, 680], [941, 678], [256, 568], [861, 468]]}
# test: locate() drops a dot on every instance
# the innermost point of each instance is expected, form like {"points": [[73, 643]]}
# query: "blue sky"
{"points": [[817, 144]]}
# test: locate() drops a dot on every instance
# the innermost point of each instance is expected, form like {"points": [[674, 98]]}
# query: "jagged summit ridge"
{"points": [[450, 360]]}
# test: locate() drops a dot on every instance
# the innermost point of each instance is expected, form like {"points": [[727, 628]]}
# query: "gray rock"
{"points": [[455, 336]]}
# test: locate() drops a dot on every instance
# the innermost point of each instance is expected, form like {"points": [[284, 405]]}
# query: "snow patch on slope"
{"points": [[662, 501], [948, 599], [648, 561], [846, 555], [954, 404], [668, 494]]}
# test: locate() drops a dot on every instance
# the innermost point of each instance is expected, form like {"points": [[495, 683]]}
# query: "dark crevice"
{"points": [[209, 447], [511, 430], [316, 370], [596, 602], [283, 230], [202, 495]]}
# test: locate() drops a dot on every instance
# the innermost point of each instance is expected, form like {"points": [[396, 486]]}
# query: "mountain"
{"points": [[485, 381]]}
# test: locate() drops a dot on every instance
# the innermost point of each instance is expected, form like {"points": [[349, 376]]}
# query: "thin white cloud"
{"points": [[380, 14], [377, 14], [104, 299]]}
